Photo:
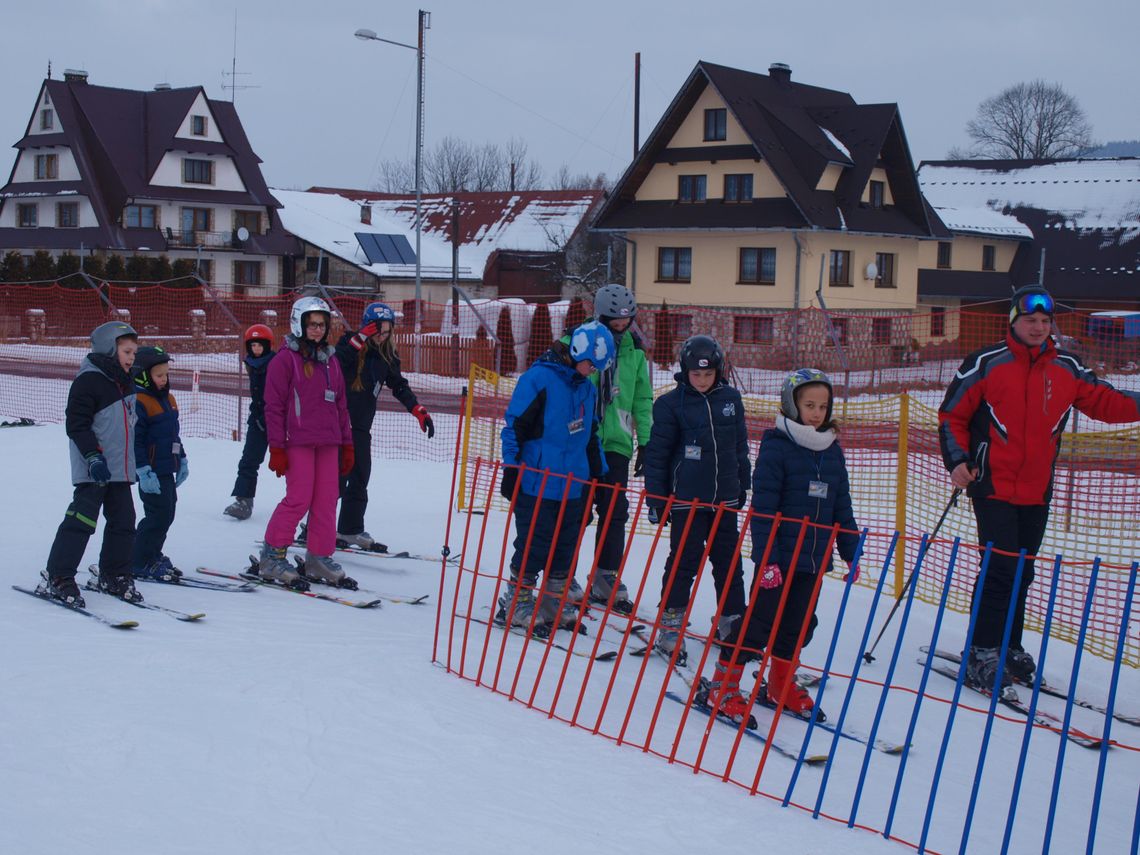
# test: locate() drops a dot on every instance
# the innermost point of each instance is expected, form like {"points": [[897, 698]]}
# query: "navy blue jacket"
{"points": [[255, 367], [157, 443], [784, 472], [699, 446], [552, 425], [374, 376]]}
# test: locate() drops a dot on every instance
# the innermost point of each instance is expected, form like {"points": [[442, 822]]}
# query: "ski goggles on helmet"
{"points": [[1027, 304]]}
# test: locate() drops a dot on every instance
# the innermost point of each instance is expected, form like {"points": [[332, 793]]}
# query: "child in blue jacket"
{"points": [[800, 472], [551, 429], [160, 461]]}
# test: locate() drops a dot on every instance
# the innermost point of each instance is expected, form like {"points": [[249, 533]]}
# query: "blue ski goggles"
{"points": [[1027, 304]]}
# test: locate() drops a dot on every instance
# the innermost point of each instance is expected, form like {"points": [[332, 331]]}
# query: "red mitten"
{"points": [[361, 338], [770, 576], [278, 461], [422, 416], [852, 574], [347, 459]]}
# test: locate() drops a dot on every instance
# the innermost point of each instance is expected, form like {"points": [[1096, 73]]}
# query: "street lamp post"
{"points": [[370, 35]]}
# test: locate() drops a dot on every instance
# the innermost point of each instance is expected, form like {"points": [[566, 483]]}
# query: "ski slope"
{"points": [[281, 724]]}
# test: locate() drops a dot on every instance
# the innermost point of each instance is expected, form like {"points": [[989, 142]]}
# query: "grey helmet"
{"points": [[105, 337], [614, 301], [797, 379], [301, 308]]}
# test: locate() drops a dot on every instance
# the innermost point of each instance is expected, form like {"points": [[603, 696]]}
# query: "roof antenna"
{"points": [[49, 69], [233, 73]]}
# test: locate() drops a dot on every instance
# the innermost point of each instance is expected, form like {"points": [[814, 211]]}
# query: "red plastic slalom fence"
{"points": [[955, 751]]}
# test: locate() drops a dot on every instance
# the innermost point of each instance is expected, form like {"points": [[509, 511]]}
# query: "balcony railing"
{"points": [[204, 239]]}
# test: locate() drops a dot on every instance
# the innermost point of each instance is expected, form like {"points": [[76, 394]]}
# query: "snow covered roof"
{"points": [[1081, 195], [523, 221]]}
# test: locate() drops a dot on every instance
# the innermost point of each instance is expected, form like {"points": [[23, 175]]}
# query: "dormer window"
{"points": [[47, 120], [691, 188], [198, 126], [877, 193], [716, 124], [196, 171]]}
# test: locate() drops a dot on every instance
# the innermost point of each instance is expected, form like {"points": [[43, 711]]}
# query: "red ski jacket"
{"points": [[1005, 412]]}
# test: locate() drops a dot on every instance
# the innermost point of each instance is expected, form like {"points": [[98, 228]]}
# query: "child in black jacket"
{"points": [[698, 453], [258, 352], [101, 432]]}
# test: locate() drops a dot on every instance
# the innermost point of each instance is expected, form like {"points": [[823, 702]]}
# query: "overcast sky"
{"points": [[327, 108]]}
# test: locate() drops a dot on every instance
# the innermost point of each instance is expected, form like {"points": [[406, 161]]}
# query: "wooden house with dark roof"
{"points": [[752, 187], [164, 172]]}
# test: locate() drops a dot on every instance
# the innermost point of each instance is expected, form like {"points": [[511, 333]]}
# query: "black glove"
{"points": [[639, 462], [507, 485], [97, 468], [656, 515]]}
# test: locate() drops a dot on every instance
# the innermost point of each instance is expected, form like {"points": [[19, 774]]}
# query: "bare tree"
{"points": [[1029, 121], [455, 165], [565, 180]]}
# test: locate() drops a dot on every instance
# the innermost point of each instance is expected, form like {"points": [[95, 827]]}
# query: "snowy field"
{"points": [[280, 724]]}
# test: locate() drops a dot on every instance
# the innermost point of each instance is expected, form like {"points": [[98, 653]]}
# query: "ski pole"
{"points": [[910, 580]]}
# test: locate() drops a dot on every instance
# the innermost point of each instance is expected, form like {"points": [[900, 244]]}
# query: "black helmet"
{"points": [[701, 351], [145, 360]]}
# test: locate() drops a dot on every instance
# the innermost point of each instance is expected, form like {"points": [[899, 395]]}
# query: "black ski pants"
{"points": [[687, 557], [252, 456], [542, 518], [1010, 528], [611, 491], [801, 586], [354, 488], [158, 510], [79, 524]]}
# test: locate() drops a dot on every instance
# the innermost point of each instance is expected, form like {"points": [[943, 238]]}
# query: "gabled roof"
{"points": [[118, 137], [520, 221], [1083, 213], [798, 130]]}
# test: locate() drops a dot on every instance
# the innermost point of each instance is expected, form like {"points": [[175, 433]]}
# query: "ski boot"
{"points": [[982, 665], [240, 509], [363, 541], [669, 635], [62, 588], [274, 566], [122, 587], [782, 686], [322, 569], [1020, 667], [524, 604], [161, 569], [722, 694], [548, 612], [607, 584]]}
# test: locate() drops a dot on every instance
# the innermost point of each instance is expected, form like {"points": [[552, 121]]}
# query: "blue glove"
{"points": [[97, 468], [183, 473], [656, 515], [148, 481]]}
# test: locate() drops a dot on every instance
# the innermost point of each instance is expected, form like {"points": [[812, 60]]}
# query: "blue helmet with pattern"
{"points": [[593, 341], [797, 380], [376, 313]]}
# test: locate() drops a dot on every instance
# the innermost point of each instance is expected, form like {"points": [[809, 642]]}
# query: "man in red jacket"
{"points": [[1000, 429]]}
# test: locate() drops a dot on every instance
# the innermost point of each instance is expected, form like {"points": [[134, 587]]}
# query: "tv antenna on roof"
{"points": [[233, 73]]}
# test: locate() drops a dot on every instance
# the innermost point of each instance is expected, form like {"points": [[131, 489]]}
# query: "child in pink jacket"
{"points": [[310, 443]]}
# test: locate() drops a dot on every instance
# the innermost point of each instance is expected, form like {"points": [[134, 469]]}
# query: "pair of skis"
{"points": [[380, 550], [1009, 698], [188, 617]]}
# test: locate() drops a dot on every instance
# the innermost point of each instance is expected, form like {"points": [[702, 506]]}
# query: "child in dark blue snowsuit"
{"points": [[258, 352], [160, 461]]}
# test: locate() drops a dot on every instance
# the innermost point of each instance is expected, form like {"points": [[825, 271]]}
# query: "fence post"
{"points": [[37, 324], [901, 490]]}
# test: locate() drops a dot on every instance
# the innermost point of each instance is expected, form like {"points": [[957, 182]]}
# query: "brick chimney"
{"points": [[780, 72], [366, 214]]}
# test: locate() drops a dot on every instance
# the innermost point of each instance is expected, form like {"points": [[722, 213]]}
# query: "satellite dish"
{"points": [[872, 271], [243, 234]]}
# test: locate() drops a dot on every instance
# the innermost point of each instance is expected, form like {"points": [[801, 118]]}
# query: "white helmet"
{"points": [[301, 308]]}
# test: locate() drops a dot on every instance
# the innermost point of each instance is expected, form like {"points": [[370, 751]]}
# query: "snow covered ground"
{"points": [[280, 724]]}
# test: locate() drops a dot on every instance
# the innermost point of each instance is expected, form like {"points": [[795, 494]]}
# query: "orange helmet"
{"points": [[259, 332]]}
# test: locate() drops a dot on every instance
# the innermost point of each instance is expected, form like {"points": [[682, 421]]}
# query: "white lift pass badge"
{"points": [[817, 489], [692, 452], [575, 426], [330, 396], [176, 448]]}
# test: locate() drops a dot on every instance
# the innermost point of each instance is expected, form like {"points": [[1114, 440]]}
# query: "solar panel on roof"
{"points": [[386, 249]]}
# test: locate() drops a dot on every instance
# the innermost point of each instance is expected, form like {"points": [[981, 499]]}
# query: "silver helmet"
{"points": [[614, 301], [301, 308], [796, 380]]}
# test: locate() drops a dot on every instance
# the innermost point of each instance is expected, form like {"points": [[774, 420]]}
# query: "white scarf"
{"points": [[805, 435]]}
